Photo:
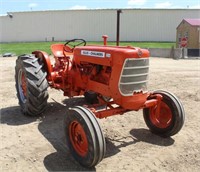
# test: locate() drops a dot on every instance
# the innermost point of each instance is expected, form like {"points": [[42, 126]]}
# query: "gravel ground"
{"points": [[37, 143]]}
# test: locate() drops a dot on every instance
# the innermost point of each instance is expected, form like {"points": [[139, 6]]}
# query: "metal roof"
{"points": [[102, 9], [193, 22]]}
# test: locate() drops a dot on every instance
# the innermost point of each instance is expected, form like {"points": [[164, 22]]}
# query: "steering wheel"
{"points": [[71, 44]]}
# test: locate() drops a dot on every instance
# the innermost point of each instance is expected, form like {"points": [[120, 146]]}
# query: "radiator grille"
{"points": [[134, 76]]}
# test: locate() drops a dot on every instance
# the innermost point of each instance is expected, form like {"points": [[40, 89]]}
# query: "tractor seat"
{"points": [[57, 50]]}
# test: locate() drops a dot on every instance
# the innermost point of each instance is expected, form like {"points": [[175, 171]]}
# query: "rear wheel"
{"points": [[84, 136], [31, 85], [170, 119]]}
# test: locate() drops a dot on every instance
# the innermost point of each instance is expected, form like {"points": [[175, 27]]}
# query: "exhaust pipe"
{"points": [[118, 26]]}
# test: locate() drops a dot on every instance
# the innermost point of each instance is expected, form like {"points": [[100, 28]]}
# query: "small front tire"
{"points": [[170, 119], [84, 136]]}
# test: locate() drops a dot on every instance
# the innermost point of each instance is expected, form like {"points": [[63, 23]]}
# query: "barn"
{"points": [[60, 25]]}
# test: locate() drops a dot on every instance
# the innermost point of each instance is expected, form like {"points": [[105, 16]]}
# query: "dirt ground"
{"points": [[37, 143]]}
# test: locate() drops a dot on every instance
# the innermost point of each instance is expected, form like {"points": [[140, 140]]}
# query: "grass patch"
{"points": [[27, 48]]}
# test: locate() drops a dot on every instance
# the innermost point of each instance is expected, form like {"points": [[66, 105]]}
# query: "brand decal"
{"points": [[93, 53]]}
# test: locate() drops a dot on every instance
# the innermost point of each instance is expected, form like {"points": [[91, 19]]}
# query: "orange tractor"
{"points": [[114, 77]]}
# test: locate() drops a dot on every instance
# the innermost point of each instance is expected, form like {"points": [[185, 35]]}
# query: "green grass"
{"points": [[27, 48]]}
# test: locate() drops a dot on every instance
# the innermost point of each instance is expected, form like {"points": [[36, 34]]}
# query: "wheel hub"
{"points": [[22, 86], [162, 119], [78, 138]]}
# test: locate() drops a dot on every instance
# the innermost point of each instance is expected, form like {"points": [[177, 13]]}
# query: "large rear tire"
{"points": [[170, 119], [31, 84], [84, 136]]}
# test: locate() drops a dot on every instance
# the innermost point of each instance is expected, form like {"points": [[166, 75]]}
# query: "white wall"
{"points": [[136, 25], [154, 25]]}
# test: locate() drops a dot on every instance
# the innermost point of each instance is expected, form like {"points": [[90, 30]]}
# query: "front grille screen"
{"points": [[134, 76]]}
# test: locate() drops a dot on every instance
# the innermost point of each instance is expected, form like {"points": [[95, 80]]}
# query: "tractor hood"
{"points": [[104, 55]]}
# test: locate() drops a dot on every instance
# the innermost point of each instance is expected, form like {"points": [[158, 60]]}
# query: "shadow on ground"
{"points": [[51, 127], [144, 135]]}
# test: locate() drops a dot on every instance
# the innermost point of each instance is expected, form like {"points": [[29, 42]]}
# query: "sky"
{"points": [[40, 5]]}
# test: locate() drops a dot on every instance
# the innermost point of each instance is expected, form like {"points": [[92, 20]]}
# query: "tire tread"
{"points": [[36, 82]]}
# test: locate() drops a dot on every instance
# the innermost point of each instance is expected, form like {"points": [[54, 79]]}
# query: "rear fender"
{"points": [[47, 62]]}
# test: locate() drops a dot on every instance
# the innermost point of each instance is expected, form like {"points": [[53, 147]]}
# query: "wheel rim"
{"points": [[164, 118], [78, 138], [22, 86]]}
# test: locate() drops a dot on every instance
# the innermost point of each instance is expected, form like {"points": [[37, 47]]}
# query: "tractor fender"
{"points": [[47, 62]]}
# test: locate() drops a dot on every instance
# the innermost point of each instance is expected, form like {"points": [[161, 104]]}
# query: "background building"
{"points": [[188, 30], [136, 24]]}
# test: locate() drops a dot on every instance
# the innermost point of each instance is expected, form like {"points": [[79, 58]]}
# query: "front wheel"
{"points": [[170, 119], [84, 136]]}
